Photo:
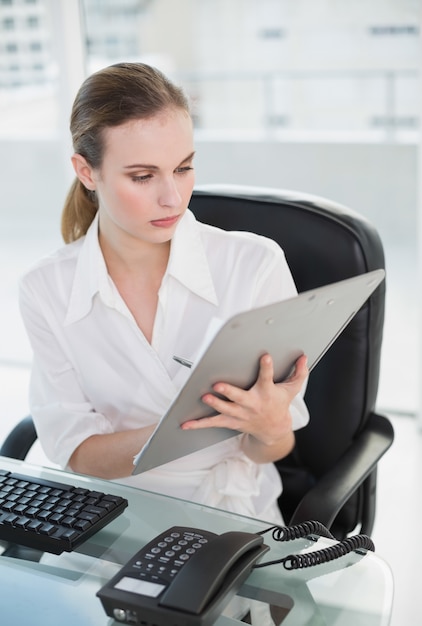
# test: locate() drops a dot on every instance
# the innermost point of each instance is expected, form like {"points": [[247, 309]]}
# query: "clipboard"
{"points": [[308, 324]]}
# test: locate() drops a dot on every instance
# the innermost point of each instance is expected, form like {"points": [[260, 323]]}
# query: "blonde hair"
{"points": [[110, 97]]}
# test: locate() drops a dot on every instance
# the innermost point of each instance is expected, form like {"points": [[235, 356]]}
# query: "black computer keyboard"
{"points": [[51, 516]]}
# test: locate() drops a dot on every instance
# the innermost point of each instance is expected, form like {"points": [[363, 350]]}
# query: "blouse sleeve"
{"points": [[62, 414]]}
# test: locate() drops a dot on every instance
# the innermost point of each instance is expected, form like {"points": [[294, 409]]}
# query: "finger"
{"points": [[299, 374], [301, 368], [266, 370], [216, 421], [227, 407]]}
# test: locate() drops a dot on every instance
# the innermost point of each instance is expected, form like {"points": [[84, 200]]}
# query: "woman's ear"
{"points": [[84, 171]]}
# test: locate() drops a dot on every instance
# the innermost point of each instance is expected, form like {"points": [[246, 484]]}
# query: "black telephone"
{"points": [[183, 577]]}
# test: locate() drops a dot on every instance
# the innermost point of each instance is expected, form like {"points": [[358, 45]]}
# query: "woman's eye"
{"points": [[142, 179]]}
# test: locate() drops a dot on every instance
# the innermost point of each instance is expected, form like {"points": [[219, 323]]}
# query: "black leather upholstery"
{"points": [[323, 242], [20, 439]]}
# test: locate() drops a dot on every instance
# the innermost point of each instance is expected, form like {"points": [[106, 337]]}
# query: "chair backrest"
{"points": [[324, 242], [20, 439]]}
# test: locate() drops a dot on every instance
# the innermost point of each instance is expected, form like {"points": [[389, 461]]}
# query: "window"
{"points": [[271, 33], [35, 46], [8, 23], [32, 21], [410, 29]]}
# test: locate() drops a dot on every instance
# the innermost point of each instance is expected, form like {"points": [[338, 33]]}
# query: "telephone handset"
{"points": [[184, 576]]}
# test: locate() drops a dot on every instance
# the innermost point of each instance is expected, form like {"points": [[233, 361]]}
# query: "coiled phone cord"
{"points": [[309, 559], [287, 533]]}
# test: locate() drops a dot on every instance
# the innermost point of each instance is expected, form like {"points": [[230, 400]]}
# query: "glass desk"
{"points": [[353, 590]]}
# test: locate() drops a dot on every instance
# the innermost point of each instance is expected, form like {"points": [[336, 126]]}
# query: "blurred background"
{"points": [[321, 96]]}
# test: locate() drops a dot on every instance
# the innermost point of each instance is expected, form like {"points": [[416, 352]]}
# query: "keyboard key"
{"points": [[48, 529]]}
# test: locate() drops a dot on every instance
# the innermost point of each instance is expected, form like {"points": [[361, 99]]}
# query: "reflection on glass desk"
{"points": [[61, 589]]}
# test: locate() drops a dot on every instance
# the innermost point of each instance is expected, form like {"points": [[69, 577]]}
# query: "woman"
{"points": [[140, 281]]}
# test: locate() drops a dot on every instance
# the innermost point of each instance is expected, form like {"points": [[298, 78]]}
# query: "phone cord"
{"points": [[300, 561], [288, 533]]}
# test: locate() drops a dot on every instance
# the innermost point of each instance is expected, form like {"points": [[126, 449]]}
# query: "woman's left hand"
{"points": [[262, 412]]}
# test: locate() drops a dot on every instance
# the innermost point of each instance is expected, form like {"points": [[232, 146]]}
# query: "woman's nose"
{"points": [[169, 194]]}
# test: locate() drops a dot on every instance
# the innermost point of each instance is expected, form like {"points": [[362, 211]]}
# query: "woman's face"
{"points": [[146, 178]]}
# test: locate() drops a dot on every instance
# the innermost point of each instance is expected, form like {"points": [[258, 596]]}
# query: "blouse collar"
{"points": [[187, 264]]}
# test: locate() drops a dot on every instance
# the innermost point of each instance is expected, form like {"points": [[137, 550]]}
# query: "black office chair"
{"points": [[20, 439], [331, 474]]}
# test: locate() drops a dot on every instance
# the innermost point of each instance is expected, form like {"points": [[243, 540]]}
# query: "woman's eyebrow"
{"points": [[188, 158], [146, 166]]}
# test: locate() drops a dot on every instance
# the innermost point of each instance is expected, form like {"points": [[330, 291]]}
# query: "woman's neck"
{"points": [[137, 274], [135, 259]]}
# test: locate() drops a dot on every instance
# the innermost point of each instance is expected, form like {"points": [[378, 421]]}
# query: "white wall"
{"points": [[33, 180], [377, 180]]}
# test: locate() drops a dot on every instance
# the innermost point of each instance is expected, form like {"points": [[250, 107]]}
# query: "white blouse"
{"points": [[94, 372]]}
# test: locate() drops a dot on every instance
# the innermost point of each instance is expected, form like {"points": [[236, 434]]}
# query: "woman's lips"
{"points": [[165, 222]]}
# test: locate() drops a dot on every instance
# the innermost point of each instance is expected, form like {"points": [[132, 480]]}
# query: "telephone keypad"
{"points": [[161, 559]]}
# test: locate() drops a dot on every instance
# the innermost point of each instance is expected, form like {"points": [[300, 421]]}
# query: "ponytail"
{"points": [[79, 211]]}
